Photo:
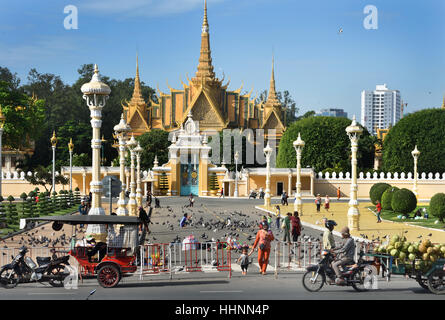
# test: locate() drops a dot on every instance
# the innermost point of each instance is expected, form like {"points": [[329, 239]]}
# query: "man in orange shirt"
{"points": [[263, 239]]}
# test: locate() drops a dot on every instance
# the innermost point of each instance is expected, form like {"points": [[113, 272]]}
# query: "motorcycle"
{"points": [[23, 269], [354, 275]]}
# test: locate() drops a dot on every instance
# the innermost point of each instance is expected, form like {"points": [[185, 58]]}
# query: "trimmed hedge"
{"points": [[387, 197], [376, 192], [404, 201], [437, 206]]}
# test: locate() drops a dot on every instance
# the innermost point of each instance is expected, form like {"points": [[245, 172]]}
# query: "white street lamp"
{"points": [[268, 152], [54, 144], [2, 123], [354, 131], [96, 94], [236, 157], [121, 131], [131, 145], [138, 151], [415, 153], [298, 146], [70, 149]]}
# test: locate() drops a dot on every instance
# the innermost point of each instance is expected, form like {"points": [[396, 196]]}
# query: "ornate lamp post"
{"points": [[54, 144], [70, 149], [416, 154], [236, 157], [102, 141], [131, 145], [298, 146], [354, 131], [138, 150], [268, 152], [121, 131], [2, 123], [96, 94]]}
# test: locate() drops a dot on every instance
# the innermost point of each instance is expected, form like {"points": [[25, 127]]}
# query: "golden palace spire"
{"points": [[205, 68], [137, 98], [272, 99]]}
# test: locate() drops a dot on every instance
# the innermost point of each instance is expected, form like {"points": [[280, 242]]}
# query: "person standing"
{"points": [[82, 210], [285, 199], [379, 211], [269, 220], [338, 193], [286, 227], [149, 199], [328, 237], [191, 200], [318, 202], [326, 203], [244, 259], [263, 240], [296, 226], [222, 192], [278, 217]]}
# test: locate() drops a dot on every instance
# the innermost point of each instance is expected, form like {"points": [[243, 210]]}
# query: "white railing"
{"points": [[382, 176]]}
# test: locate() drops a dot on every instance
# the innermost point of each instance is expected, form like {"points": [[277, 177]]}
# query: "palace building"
{"points": [[210, 101]]}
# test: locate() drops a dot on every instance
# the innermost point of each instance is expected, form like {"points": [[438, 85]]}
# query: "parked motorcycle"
{"points": [[23, 269], [253, 194], [354, 275]]}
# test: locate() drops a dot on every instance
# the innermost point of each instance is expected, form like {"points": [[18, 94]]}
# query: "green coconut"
{"points": [[402, 255], [412, 256], [411, 249]]}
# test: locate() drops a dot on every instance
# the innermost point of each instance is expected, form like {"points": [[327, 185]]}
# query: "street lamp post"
{"points": [[236, 174], [298, 146], [354, 131], [268, 152], [54, 144], [96, 94], [70, 149], [2, 123], [416, 154], [131, 145], [121, 131], [102, 141], [138, 150]]}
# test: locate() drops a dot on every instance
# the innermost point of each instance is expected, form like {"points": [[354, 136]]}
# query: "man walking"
{"points": [[379, 211], [318, 202], [296, 226], [287, 226]]}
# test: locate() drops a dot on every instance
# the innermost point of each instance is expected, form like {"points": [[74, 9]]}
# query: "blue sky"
{"points": [[320, 67]]}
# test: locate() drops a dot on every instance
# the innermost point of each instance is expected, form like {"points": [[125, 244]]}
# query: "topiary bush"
{"points": [[404, 201], [387, 197], [376, 192], [437, 206]]}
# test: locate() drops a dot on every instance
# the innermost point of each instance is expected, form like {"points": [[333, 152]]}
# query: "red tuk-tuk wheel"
{"points": [[108, 276]]}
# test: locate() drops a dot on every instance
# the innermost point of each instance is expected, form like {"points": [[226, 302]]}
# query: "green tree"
{"points": [[43, 177], [437, 206], [423, 128], [327, 145], [155, 142]]}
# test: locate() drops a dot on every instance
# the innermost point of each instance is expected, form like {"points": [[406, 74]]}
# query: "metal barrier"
{"points": [[154, 259]]}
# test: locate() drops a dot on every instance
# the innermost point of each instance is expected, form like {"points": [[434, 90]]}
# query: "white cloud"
{"points": [[143, 7]]}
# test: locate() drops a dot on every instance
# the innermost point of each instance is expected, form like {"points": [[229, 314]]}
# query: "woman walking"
{"points": [[296, 226], [263, 240], [326, 203], [278, 217], [379, 211]]}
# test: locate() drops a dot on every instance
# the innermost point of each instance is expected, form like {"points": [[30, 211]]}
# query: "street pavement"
{"points": [[219, 287]]}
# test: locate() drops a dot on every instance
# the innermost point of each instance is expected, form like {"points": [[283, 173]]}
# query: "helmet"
{"points": [[330, 224]]}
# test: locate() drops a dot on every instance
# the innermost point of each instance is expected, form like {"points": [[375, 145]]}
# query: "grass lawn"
{"points": [[428, 223]]}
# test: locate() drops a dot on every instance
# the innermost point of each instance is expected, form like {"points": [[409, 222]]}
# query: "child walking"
{"points": [[244, 259]]}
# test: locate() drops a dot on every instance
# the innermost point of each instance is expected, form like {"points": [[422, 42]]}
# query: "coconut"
{"points": [[389, 248], [430, 250], [425, 257], [395, 238], [426, 243], [412, 257], [402, 255], [394, 252], [398, 245], [433, 258], [442, 249], [422, 248], [411, 249]]}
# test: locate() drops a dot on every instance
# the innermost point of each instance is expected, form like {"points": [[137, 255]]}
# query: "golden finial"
{"points": [[2, 118], [71, 145], [53, 139]]}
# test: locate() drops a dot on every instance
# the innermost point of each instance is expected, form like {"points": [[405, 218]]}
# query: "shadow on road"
{"points": [[170, 283]]}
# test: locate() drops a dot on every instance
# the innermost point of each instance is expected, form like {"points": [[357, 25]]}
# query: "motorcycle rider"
{"points": [[346, 255]]}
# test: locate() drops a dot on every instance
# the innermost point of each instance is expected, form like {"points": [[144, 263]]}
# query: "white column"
{"points": [[132, 203], [54, 169], [122, 202], [138, 180], [71, 171]]}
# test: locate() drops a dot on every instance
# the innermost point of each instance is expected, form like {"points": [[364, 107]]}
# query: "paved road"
{"points": [[219, 287]]}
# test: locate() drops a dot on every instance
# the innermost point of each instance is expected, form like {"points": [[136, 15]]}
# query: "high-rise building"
{"points": [[332, 113], [381, 108]]}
